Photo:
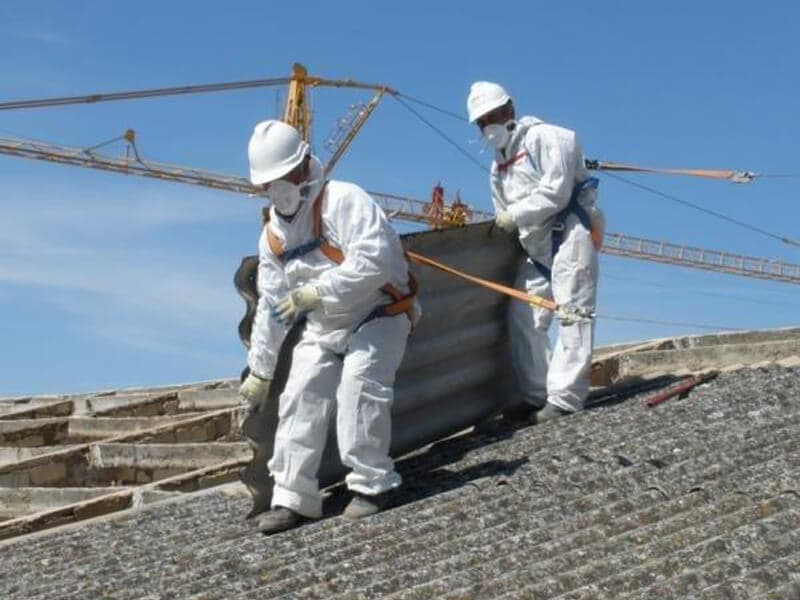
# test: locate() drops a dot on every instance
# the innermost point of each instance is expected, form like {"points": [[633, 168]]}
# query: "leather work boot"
{"points": [[521, 413], [550, 412], [363, 505], [278, 519]]}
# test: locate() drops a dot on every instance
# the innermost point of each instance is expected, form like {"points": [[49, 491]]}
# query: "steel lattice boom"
{"points": [[405, 208], [627, 246]]}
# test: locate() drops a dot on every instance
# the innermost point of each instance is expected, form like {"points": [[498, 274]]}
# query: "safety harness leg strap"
{"points": [[573, 207]]}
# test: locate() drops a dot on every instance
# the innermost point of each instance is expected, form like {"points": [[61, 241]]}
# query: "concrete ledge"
{"points": [[737, 337], [133, 405], [17, 502], [33, 432], [127, 498], [10, 455], [613, 363], [63, 466], [103, 399], [209, 399], [167, 456], [97, 428], [688, 360], [36, 410]]}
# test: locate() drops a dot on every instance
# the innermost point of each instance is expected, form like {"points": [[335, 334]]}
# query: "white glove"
{"points": [[255, 390], [303, 299], [505, 221]]}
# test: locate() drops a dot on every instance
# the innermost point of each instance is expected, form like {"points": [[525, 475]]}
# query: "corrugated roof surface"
{"points": [[697, 498]]}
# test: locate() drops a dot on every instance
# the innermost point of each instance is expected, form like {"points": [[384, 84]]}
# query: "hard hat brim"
{"points": [[489, 107], [262, 176]]}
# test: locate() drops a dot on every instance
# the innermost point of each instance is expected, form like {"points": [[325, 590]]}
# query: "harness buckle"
{"points": [[743, 176], [558, 226]]}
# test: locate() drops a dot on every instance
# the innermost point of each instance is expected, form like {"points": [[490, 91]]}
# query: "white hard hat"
{"points": [[275, 149], [484, 97]]}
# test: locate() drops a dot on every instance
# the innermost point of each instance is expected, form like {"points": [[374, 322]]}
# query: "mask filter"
{"points": [[286, 196], [497, 135]]}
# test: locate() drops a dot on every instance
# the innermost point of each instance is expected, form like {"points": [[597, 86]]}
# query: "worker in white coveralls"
{"points": [[329, 254], [542, 190]]}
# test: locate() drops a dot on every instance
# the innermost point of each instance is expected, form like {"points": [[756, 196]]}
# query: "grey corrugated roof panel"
{"points": [[456, 366], [694, 497]]}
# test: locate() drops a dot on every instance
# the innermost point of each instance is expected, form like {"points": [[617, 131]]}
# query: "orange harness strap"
{"points": [[504, 165], [402, 303]]}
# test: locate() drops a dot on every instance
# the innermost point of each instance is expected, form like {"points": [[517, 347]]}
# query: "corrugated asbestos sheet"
{"points": [[456, 368], [65, 459], [696, 498]]}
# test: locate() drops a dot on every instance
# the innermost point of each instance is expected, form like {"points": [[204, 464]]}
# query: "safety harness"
{"points": [[401, 303], [505, 165], [559, 226]]}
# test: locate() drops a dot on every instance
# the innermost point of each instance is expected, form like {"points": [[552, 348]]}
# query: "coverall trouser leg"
{"points": [[364, 400], [362, 383], [560, 377]]}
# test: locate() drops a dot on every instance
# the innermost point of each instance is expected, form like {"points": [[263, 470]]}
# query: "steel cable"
{"points": [[670, 323], [702, 209], [444, 111], [443, 135]]}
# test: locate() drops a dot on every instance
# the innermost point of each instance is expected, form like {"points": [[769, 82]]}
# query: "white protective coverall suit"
{"points": [[533, 179], [339, 362]]}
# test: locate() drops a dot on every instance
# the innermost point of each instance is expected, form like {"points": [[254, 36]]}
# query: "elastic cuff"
{"points": [[259, 374], [563, 404], [327, 299], [514, 210], [377, 486]]}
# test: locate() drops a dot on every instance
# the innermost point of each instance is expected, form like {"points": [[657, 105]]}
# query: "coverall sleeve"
{"points": [[552, 152], [268, 332], [495, 186], [359, 227]]}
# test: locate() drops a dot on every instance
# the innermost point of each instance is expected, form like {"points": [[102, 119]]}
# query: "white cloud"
{"points": [[91, 252], [59, 205], [38, 34]]}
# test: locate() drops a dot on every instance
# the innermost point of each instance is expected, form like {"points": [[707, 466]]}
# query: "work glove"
{"points": [[254, 391], [505, 221], [303, 299]]}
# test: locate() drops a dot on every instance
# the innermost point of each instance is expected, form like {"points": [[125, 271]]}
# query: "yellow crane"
{"points": [[436, 213]]}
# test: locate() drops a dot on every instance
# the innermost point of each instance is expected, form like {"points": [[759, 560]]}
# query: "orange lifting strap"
{"points": [[734, 176], [531, 299], [402, 303]]}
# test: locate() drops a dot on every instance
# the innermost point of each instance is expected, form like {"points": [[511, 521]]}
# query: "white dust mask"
{"points": [[498, 134], [286, 196]]}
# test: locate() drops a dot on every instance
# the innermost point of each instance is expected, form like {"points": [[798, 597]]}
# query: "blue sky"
{"points": [[107, 281]]}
